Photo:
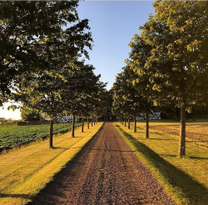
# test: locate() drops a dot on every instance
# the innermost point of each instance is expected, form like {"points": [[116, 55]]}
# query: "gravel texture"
{"points": [[106, 171]]}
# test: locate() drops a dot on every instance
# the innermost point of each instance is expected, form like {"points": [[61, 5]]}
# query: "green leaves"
{"points": [[33, 39]]}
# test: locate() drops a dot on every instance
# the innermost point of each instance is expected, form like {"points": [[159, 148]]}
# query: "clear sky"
{"points": [[113, 24]]}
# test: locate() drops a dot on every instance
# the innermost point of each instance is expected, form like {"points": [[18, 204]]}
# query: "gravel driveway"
{"points": [[106, 171]]}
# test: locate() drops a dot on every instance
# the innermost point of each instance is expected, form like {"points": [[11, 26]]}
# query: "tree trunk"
{"points": [[51, 134], [82, 124], [147, 125], [94, 121], [129, 123], [122, 121], [125, 122], [88, 123], [91, 122], [73, 124], [135, 123], [182, 151]]}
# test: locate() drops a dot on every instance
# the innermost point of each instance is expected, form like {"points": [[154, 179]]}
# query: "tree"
{"points": [[119, 105], [24, 28], [53, 49], [41, 95], [178, 57], [126, 99], [29, 115], [140, 52], [81, 91]]}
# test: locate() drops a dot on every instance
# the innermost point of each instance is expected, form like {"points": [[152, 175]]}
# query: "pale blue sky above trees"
{"points": [[113, 24]]}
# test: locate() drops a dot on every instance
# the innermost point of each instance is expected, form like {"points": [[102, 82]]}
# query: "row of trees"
{"points": [[41, 46], [168, 59]]}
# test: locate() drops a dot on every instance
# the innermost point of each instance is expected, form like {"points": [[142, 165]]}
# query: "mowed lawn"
{"points": [[24, 172], [187, 178]]}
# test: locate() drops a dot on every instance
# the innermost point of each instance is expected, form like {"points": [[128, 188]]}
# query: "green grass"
{"points": [[23, 173], [187, 178], [11, 135]]}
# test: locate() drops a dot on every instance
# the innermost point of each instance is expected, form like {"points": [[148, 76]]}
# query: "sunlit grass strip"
{"points": [[186, 179], [25, 172]]}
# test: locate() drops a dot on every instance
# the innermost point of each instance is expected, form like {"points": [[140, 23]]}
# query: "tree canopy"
{"points": [[171, 51], [28, 31]]}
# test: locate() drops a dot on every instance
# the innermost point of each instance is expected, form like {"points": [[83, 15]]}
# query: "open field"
{"points": [[187, 178], [12, 135], [23, 173], [195, 131]]}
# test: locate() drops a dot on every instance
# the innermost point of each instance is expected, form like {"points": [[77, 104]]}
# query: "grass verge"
{"points": [[23, 173], [185, 179]]}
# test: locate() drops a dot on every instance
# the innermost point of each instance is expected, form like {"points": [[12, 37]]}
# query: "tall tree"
{"points": [[42, 94], [126, 99], [81, 92], [140, 52], [24, 28], [40, 87], [178, 59]]}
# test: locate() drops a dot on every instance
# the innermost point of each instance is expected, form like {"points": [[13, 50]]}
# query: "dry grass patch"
{"points": [[23, 173], [195, 131]]}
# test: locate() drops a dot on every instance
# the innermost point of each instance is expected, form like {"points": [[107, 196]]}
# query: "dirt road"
{"points": [[106, 171]]}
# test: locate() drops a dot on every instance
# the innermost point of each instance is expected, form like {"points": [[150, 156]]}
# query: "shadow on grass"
{"points": [[168, 155], [59, 148], [25, 196], [192, 190], [169, 139], [200, 158]]}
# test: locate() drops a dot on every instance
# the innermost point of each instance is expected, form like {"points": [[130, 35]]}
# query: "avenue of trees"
{"points": [[41, 47], [168, 63]]}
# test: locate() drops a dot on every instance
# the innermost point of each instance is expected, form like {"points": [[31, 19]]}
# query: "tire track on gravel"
{"points": [[106, 171]]}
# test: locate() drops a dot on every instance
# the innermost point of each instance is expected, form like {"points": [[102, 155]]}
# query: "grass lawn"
{"points": [[187, 178], [24, 172]]}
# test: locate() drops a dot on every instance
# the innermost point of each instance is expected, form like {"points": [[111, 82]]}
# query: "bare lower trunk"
{"points": [[82, 124], [91, 122], [182, 141], [73, 124], [88, 123], [147, 125], [135, 123], [51, 134], [125, 122], [129, 123]]}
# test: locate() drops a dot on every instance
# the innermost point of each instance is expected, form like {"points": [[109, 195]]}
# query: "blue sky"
{"points": [[113, 24]]}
